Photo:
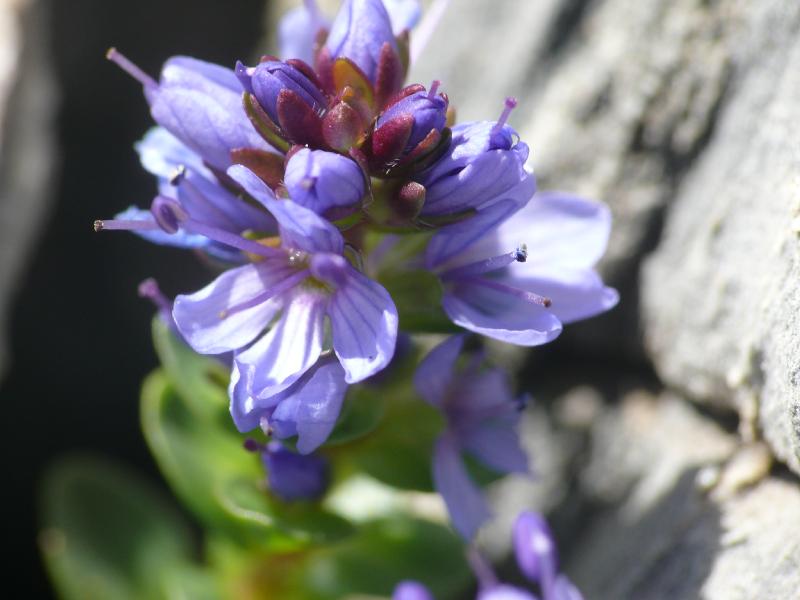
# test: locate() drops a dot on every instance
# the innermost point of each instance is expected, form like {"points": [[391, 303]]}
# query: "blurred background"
{"points": [[665, 434]]}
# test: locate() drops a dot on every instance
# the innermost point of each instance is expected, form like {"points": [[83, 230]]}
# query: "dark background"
{"points": [[80, 341]]}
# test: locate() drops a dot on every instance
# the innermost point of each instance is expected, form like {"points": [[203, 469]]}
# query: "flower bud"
{"points": [[411, 590], [293, 476], [359, 32], [322, 180], [428, 110], [267, 80], [534, 548], [483, 164]]}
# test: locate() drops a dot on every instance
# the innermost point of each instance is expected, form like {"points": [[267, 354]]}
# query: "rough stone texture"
{"points": [[683, 520], [722, 292], [26, 140]]}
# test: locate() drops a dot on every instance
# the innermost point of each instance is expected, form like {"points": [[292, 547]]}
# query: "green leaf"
{"points": [[418, 297], [107, 534], [383, 553], [201, 381], [363, 410], [398, 452], [223, 484]]}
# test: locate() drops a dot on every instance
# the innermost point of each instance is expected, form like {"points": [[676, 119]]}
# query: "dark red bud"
{"points": [[425, 146], [390, 75], [342, 127], [267, 165], [390, 139], [305, 69], [324, 64], [409, 200], [298, 120]]}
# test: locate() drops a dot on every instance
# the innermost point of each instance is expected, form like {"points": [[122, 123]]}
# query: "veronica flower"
{"points": [[519, 278], [273, 312], [200, 103], [183, 177], [481, 416]]}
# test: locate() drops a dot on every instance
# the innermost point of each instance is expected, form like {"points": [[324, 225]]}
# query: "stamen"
{"points": [[483, 571], [176, 177], [231, 239], [130, 68], [434, 88], [149, 289], [288, 283], [168, 213], [124, 225], [516, 292], [265, 426], [485, 266], [511, 104]]}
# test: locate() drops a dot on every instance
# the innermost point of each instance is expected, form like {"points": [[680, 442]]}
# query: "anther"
{"points": [[130, 68], [434, 88], [521, 253], [253, 446], [177, 175], [167, 213]]}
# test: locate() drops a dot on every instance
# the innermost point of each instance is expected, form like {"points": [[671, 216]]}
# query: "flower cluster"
{"points": [[317, 181], [537, 558]]}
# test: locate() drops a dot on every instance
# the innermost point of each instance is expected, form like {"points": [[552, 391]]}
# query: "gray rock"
{"points": [[27, 99], [682, 520], [721, 294]]}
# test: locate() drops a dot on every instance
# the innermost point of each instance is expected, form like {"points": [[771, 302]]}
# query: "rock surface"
{"points": [[27, 98], [721, 294], [690, 515]]}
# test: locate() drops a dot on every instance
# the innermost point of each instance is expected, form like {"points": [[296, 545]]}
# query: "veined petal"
{"points": [[435, 374], [291, 346], [575, 294], [247, 410], [209, 319], [465, 502], [500, 315], [300, 228], [312, 405], [205, 123], [450, 241], [561, 231], [364, 323], [161, 153], [496, 444]]}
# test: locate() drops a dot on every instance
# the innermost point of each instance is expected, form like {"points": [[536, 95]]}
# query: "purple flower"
{"points": [[535, 550], [298, 31], [307, 409], [359, 32], [481, 416], [291, 476], [504, 592], [291, 290], [484, 164], [411, 590], [418, 117], [322, 180], [200, 103], [183, 178], [518, 279], [271, 79]]}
